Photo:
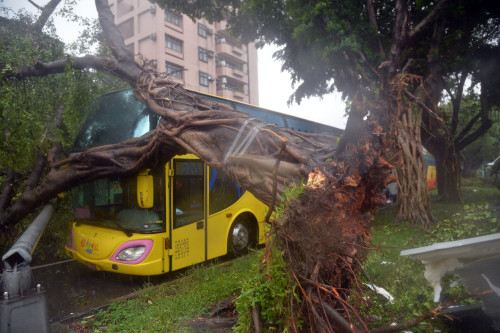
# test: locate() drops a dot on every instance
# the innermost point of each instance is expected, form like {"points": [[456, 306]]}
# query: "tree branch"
{"points": [[427, 20], [403, 326], [123, 66], [461, 142], [344, 325], [104, 64], [7, 191], [363, 73], [399, 32], [35, 5], [41, 159], [115, 41], [414, 98], [456, 102], [119, 159], [47, 10], [373, 21]]}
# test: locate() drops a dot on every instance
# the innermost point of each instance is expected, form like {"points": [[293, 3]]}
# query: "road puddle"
{"points": [[73, 288]]}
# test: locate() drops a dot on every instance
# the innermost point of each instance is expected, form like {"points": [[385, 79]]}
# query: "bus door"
{"points": [[188, 211]]}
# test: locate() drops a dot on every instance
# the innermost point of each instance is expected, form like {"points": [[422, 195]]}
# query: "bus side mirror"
{"points": [[145, 189]]}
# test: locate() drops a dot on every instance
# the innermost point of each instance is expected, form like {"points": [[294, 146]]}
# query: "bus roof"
{"points": [[275, 118], [118, 116]]}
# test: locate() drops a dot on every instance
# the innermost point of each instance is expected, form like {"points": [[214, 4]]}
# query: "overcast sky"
{"points": [[274, 85]]}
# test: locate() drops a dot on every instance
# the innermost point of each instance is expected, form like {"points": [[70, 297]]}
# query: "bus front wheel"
{"points": [[239, 238]]}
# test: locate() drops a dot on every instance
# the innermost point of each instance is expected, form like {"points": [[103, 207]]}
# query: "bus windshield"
{"points": [[112, 203], [114, 118]]}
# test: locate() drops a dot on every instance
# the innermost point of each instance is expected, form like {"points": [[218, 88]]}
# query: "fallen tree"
{"points": [[323, 231]]}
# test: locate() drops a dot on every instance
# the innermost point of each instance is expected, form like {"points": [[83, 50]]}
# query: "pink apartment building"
{"points": [[200, 55]]}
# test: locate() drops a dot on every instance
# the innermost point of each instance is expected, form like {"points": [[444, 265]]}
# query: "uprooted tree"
{"points": [[328, 45], [327, 225]]}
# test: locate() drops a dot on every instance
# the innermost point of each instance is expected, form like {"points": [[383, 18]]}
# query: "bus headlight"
{"points": [[131, 253]]}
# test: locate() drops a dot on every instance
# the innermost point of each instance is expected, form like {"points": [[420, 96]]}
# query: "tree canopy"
{"points": [[41, 115]]}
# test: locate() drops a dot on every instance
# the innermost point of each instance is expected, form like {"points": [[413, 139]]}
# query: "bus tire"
{"points": [[240, 238]]}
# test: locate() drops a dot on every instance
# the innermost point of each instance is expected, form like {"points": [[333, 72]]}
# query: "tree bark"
{"points": [[413, 201], [448, 173]]}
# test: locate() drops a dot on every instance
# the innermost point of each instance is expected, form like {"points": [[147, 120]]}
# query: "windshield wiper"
{"points": [[118, 226]]}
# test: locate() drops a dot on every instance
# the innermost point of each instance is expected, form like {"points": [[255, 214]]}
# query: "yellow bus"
{"points": [[169, 217], [162, 220]]}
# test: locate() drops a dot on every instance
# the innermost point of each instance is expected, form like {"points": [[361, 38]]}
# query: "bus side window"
{"points": [[223, 191], [188, 192]]}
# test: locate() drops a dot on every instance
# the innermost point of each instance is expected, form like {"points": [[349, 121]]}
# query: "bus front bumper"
{"points": [[144, 268]]}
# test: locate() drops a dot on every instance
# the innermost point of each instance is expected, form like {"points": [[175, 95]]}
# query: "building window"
{"points": [[202, 54], [205, 79], [173, 18], [174, 70], [173, 43], [202, 30], [127, 28]]}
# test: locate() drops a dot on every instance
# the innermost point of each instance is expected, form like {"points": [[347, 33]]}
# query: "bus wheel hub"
{"points": [[240, 237]]}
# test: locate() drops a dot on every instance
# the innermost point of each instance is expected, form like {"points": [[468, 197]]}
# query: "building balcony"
{"points": [[225, 93], [240, 74], [234, 51], [231, 93], [240, 96], [232, 73]]}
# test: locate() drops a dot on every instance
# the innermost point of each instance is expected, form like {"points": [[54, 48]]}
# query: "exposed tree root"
{"points": [[323, 231]]}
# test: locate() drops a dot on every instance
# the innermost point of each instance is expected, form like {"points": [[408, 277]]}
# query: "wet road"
{"points": [[73, 288]]}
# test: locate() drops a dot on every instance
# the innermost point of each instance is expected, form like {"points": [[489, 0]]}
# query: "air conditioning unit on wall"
{"points": [[153, 36], [152, 9]]}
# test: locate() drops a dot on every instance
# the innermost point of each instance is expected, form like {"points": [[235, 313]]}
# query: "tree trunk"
{"points": [[448, 175], [413, 199], [467, 166]]}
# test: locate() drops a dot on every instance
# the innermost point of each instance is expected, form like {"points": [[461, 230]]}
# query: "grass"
{"points": [[403, 277], [166, 307]]}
